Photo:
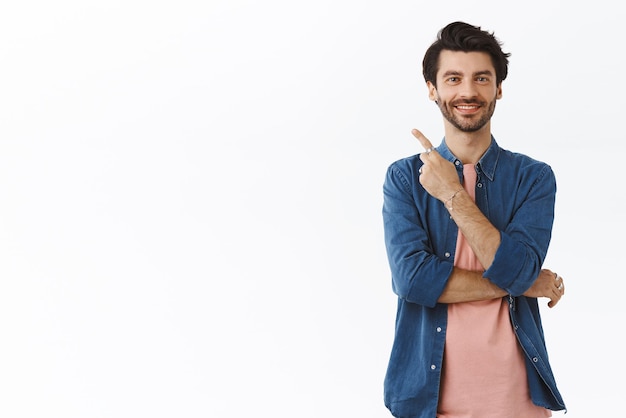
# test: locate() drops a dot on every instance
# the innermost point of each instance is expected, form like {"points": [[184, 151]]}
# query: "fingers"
{"points": [[556, 297], [558, 290], [422, 139], [560, 285]]}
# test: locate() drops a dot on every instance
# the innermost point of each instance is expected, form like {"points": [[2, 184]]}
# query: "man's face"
{"points": [[466, 89]]}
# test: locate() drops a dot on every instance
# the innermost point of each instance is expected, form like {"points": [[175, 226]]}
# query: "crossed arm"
{"points": [[465, 286], [439, 178]]}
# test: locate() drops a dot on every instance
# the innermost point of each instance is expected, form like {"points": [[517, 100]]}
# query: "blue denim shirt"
{"points": [[517, 194]]}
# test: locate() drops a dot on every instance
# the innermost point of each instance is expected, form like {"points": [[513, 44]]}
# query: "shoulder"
{"points": [[406, 164], [402, 173], [525, 166]]}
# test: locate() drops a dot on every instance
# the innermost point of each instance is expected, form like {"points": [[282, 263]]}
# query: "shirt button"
{"points": [[479, 185], [438, 329], [447, 254], [535, 359], [433, 367], [457, 162]]}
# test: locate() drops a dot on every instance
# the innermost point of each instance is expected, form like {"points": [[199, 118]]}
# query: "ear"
{"points": [[499, 92], [432, 91]]}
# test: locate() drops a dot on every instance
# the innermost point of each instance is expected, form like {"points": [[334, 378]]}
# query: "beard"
{"points": [[468, 124]]}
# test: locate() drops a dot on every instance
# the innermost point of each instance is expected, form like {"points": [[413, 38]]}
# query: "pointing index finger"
{"points": [[422, 139]]}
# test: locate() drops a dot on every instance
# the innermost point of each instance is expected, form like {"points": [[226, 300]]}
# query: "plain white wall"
{"points": [[190, 198]]}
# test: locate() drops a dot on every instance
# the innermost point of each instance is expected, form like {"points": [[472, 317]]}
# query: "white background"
{"points": [[190, 198]]}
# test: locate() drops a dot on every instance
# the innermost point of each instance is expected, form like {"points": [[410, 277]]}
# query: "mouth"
{"points": [[467, 108]]}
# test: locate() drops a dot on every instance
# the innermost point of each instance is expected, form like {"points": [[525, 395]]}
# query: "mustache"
{"points": [[468, 102]]}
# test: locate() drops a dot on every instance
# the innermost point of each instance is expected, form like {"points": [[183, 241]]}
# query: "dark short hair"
{"points": [[460, 36]]}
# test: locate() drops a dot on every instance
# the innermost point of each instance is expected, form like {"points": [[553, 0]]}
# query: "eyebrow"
{"points": [[460, 73]]}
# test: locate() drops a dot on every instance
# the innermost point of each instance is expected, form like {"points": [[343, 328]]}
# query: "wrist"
{"points": [[448, 203]]}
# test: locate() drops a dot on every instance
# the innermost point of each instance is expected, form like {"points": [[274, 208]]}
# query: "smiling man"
{"points": [[467, 228]]}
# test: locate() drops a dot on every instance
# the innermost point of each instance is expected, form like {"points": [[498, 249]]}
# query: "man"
{"points": [[467, 228]]}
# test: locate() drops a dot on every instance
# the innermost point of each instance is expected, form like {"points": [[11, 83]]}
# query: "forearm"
{"points": [[481, 235], [468, 286]]}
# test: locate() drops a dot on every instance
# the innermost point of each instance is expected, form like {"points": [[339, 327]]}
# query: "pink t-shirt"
{"points": [[484, 374]]}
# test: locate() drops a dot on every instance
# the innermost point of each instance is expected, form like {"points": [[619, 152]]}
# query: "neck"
{"points": [[468, 146]]}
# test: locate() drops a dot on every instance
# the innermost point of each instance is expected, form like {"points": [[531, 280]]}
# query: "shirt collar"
{"points": [[487, 163]]}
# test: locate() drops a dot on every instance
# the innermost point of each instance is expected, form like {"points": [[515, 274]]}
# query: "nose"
{"points": [[467, 89]]}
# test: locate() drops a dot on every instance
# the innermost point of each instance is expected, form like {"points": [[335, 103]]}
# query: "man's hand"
{"points": [[438, 175], [548, 285]]}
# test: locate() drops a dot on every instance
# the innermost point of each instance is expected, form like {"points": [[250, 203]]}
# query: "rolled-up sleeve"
{"points": [[526, 237]]}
